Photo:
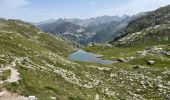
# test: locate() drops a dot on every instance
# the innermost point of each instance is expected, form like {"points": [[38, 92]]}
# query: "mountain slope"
{"points": [[24, 30], [145, 45], [68, 30], [34, 55], [107, 32], [153, 28], [157, 17]]}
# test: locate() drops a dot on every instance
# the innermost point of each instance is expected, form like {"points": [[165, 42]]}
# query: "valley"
{"points": [[130, 62]]}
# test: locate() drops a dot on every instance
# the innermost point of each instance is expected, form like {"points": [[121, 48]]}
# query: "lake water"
{"points": [[82, 55]]}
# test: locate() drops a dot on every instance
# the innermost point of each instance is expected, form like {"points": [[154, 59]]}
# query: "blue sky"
{"points": [[39, 10]]}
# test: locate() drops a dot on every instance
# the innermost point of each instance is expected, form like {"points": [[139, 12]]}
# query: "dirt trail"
{"points": [[6, 95], [14, 75]]}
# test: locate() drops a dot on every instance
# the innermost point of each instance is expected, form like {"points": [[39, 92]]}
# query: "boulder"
{"points": [[142, 53], [1, 65], [159, 77], [168, 53], [32, 98], [136, 66], [53, 98], [151, 62], [131, 79], [168, 83], [160, 85], [91, 44], [108, 45], [11, 37], [131, 58], [121, 60]]}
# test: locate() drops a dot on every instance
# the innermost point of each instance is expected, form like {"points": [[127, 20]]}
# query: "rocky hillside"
{"points": [[157, 17], [144, 47], [153, 28]]}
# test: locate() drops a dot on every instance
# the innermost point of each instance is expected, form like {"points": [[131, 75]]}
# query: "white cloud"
{"points": [[22, 9], [13, 8], [12, 4], [133, 7]]}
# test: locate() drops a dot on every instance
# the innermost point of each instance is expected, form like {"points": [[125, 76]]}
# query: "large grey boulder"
{"points": [[151, 62]]}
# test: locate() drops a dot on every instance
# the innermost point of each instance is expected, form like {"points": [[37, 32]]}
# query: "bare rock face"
{"points": [[151, 62]]}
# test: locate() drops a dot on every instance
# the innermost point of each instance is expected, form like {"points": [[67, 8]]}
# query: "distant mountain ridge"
{"points": [[87, 22], [99, 29]]}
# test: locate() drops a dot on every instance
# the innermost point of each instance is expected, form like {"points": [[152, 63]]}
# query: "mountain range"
{"points": [[99, 29]]}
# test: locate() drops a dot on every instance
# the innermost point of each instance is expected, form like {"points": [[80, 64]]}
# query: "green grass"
{"points": [[5, 74], [114, 52], [44, 85], [143, 61]]}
